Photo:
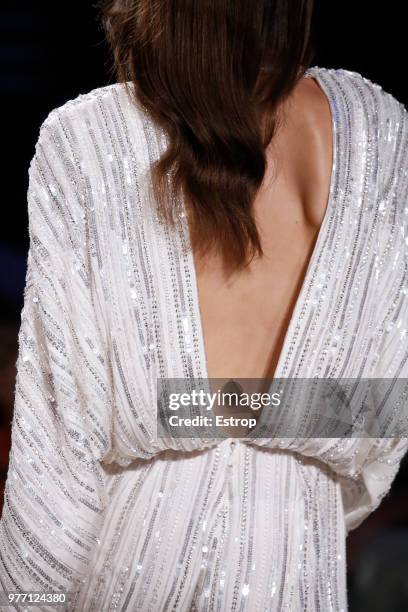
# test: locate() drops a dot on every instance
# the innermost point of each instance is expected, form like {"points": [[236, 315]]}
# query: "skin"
{"points": [[245, 317]]}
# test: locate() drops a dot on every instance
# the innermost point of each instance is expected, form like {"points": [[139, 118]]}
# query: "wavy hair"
{"points": [[213, 74]]}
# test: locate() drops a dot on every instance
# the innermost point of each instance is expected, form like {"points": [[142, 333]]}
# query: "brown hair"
{"points": [[212, 74]]}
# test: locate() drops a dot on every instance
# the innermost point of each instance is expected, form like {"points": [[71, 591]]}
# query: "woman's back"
{"points": [[245, 325], [97, 503]]}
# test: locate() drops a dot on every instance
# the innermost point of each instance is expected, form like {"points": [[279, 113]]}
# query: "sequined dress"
{"points": [[95, 503]]}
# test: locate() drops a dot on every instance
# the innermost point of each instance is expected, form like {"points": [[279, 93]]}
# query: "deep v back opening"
{"points": [[314, 73]]}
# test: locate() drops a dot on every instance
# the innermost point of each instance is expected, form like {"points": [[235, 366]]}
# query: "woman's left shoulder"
{"points": [[380, 119], [366, 92]]}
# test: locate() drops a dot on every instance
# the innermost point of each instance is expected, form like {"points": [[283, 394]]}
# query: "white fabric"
{"points": [[95, 503]]}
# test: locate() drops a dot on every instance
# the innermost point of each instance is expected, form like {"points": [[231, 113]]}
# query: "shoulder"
{"points": [[361, 93], [67, 129], [375, 114], [362, 106], [64, 157], [64, 188], [79, 108], [381, 121], [92, 133], [99, 120]]}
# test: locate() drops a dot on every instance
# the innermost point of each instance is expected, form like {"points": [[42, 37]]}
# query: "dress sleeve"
{"points": [[370, 480], [370, 465], [366, 467], [55, 491]]}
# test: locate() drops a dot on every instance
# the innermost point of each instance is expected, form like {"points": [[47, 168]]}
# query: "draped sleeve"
{"points": [[370, 465], [366, 466], [55, 491]]}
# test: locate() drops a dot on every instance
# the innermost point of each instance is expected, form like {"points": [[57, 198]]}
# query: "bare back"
{"points": [[245, 317]]}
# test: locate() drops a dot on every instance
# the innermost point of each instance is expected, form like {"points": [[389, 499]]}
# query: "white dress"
{"points": [[96, 504]]}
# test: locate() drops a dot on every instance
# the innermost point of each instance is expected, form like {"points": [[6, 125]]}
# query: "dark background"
{"points": [[52, 52]]}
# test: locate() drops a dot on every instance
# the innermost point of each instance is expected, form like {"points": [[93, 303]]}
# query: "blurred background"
{"points": [[51, 52]]}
